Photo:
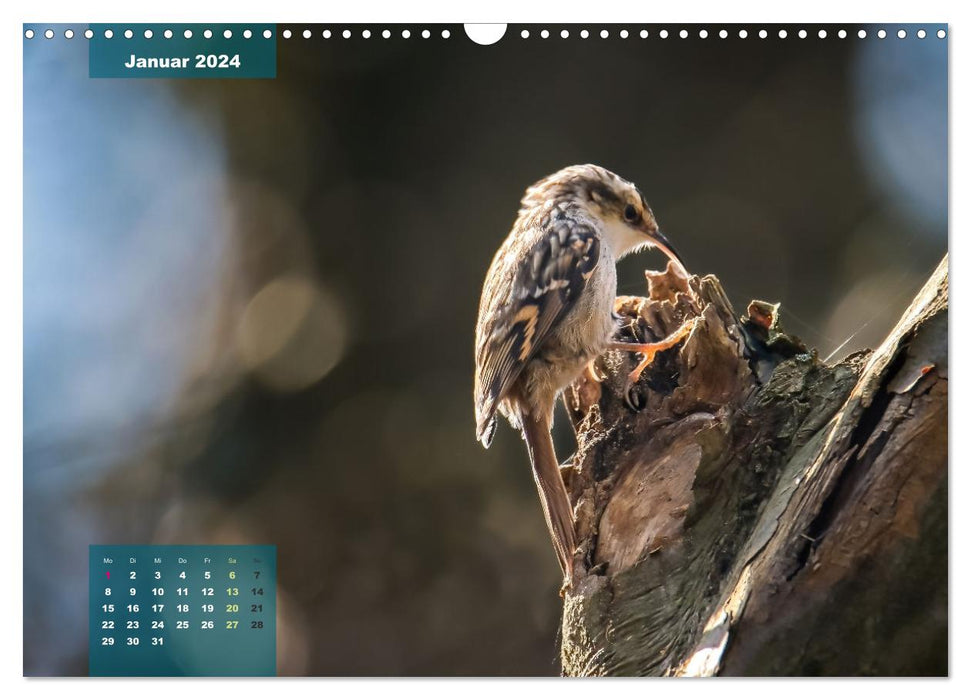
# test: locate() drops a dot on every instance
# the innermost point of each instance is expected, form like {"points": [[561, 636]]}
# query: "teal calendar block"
{"points": [[182, 610]]}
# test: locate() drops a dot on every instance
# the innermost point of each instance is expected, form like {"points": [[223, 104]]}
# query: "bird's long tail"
{"points": [[552, 492]]}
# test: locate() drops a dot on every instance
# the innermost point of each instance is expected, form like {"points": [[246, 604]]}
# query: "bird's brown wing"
{"points": [[545, 284]]}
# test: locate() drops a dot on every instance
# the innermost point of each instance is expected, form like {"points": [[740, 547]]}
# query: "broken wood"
{"points": [[753, 510]]}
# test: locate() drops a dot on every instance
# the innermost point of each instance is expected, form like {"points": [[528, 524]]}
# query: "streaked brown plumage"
{"points": [[547, 311]]}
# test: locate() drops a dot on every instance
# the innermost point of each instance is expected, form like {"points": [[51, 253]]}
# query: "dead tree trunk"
{"points": [[762, 513]]}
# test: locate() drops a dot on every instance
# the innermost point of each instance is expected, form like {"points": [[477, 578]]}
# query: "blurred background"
{"points": [[249, 304]]}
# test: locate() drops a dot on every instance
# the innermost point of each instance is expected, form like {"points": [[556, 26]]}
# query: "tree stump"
{"points": [[752, 510]]}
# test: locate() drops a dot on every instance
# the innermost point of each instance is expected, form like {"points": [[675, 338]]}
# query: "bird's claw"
{"points": [[633, 397], [592, 374]]}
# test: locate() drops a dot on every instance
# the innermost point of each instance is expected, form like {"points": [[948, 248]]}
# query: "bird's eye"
{"points": [[630, 213]]}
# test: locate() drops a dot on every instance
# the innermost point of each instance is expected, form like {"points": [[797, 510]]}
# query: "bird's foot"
{"points": [[649, 351]]}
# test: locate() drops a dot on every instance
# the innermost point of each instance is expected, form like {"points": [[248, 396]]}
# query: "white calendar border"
{"points": [[710, 11]]}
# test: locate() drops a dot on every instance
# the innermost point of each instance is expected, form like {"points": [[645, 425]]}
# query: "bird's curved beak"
{"points": [[661, 242]]}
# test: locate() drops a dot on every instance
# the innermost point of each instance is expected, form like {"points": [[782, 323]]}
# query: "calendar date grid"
{"points": [[220, 593], [180, 606]]}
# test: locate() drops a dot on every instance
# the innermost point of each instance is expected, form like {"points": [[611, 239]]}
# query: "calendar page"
{"points": [[532, 349]]}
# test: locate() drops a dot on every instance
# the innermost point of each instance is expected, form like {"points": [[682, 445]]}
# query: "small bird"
{"points": [[547, 312]]}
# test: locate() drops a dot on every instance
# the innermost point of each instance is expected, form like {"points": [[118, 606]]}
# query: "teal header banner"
{"points": [[182, 51]]}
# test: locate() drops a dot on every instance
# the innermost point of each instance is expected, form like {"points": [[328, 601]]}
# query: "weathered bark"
{"points": [[763, 513]]}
